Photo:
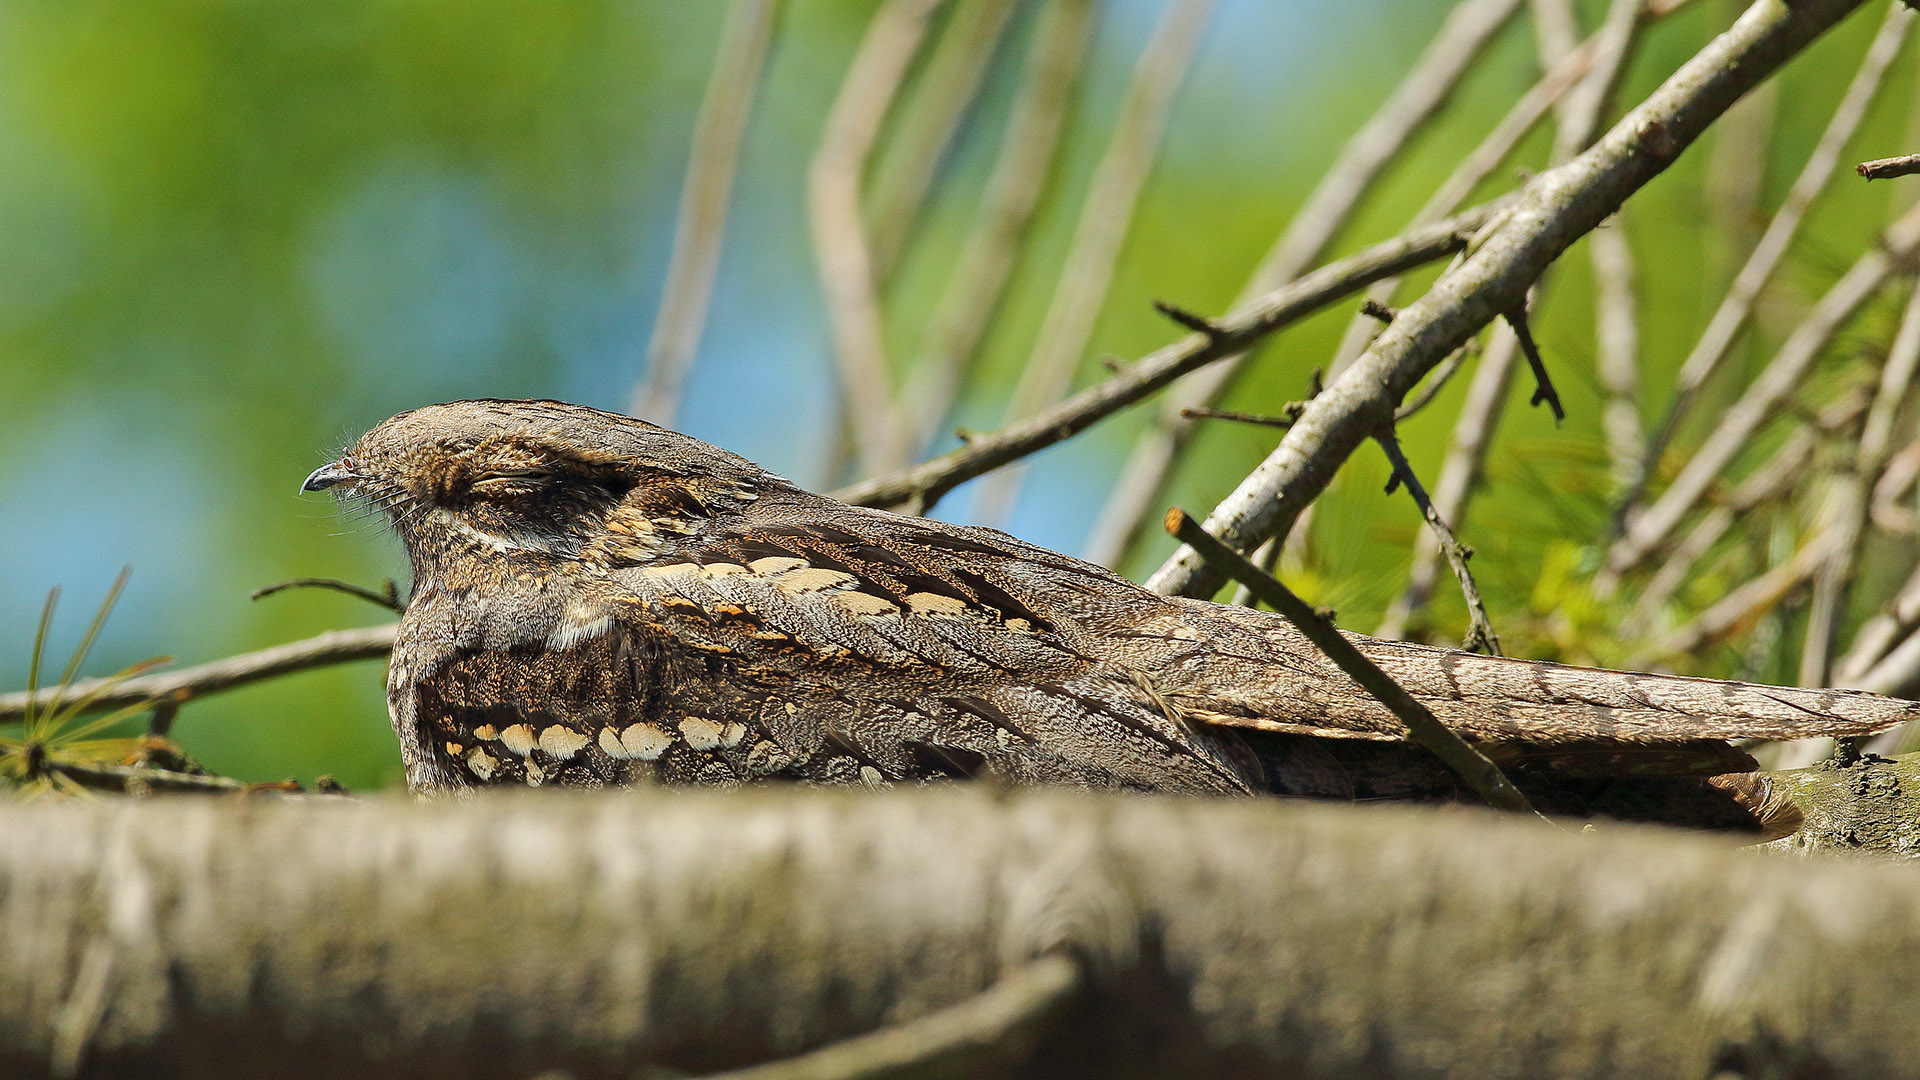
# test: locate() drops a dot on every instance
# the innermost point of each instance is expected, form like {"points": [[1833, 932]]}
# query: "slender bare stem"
{"points": [[1365, 157], [839, 232], [704, 197], [1556, 209], [1105, 216], [1426, 729], [1716, 342], [1028, 149], [332, 647], [929, 116], [1480, 636], [926, 482]]}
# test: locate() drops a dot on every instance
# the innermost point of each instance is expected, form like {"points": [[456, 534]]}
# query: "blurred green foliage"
{"points": [[232, 235]]}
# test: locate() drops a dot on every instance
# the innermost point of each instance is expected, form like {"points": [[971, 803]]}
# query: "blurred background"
{"points": [[235, 235]]}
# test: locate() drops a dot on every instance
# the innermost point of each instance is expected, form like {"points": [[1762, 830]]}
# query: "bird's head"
{"points": [[539, 482]]}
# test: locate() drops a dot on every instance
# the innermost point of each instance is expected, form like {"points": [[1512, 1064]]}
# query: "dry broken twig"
{"points": [[1480, 636], [1471, 765], [1886, 168]]}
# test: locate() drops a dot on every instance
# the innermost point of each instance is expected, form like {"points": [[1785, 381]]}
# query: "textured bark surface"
{"points": [[600, 933]]}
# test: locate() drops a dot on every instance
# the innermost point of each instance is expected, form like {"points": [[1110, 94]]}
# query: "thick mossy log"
{"points": [[604, 933]]}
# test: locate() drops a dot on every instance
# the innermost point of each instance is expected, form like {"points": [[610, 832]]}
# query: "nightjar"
{"points": [[597, 600]]}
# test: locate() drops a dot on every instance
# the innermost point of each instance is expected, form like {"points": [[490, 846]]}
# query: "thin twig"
{"points": [[1480, 636], [388, 597], [1459, 473], [1852, 499], [704, 197], [1472, 766], [1897, 246], [980, 1035], [929, 116], [1557, 207], [1287, 416], [1437, 381], [985, 264], [1105, 218], [1542, 383], [839, 231], [1886, 168], [1723, 329], [1766, 485], [1736, 612], [1381, 141], [930, 480], [332, 647]]}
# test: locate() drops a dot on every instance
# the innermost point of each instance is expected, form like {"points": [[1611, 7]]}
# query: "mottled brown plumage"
{"points": [[601, 601]]}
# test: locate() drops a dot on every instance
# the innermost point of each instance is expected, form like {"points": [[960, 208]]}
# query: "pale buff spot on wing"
{"points": [[454, 749], [535, 773], [936, 606], [610, 743], [776, 564], [481, 764], [733, 734], [1019, 626], [701, 733], [486, 733], [561, 742], [518, 738], [645, 741], [812, 579], [670, 569], [873, 778], [866, 603], [722, 569]]}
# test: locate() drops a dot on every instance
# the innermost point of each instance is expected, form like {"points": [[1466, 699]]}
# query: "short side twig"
{"points": [[388, 597], [1472, 766], [1886, 168], [1480, 636], [1542, 383]]}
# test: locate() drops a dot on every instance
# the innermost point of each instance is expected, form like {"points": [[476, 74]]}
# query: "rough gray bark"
{"points": [[600, 934]]}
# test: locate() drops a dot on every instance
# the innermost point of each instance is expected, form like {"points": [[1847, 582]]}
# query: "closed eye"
{"points": [[510, 481]]}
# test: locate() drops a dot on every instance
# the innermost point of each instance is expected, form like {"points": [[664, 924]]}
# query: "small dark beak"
{"points": [[324, 477]]}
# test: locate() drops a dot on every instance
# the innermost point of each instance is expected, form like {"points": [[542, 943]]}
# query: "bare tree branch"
{"points": [[839, 231], [1480, 636], [929, 480], [603, 934], [1716, 342], [1737, 424], [1382, 140], [704, 196], [1027, 153], [931, 114], [332, 647], [1473, 767], [1105, 217], [1557, 208]]}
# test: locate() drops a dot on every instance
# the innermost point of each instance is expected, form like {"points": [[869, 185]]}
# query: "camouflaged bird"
{"points": [[598, 600]]}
